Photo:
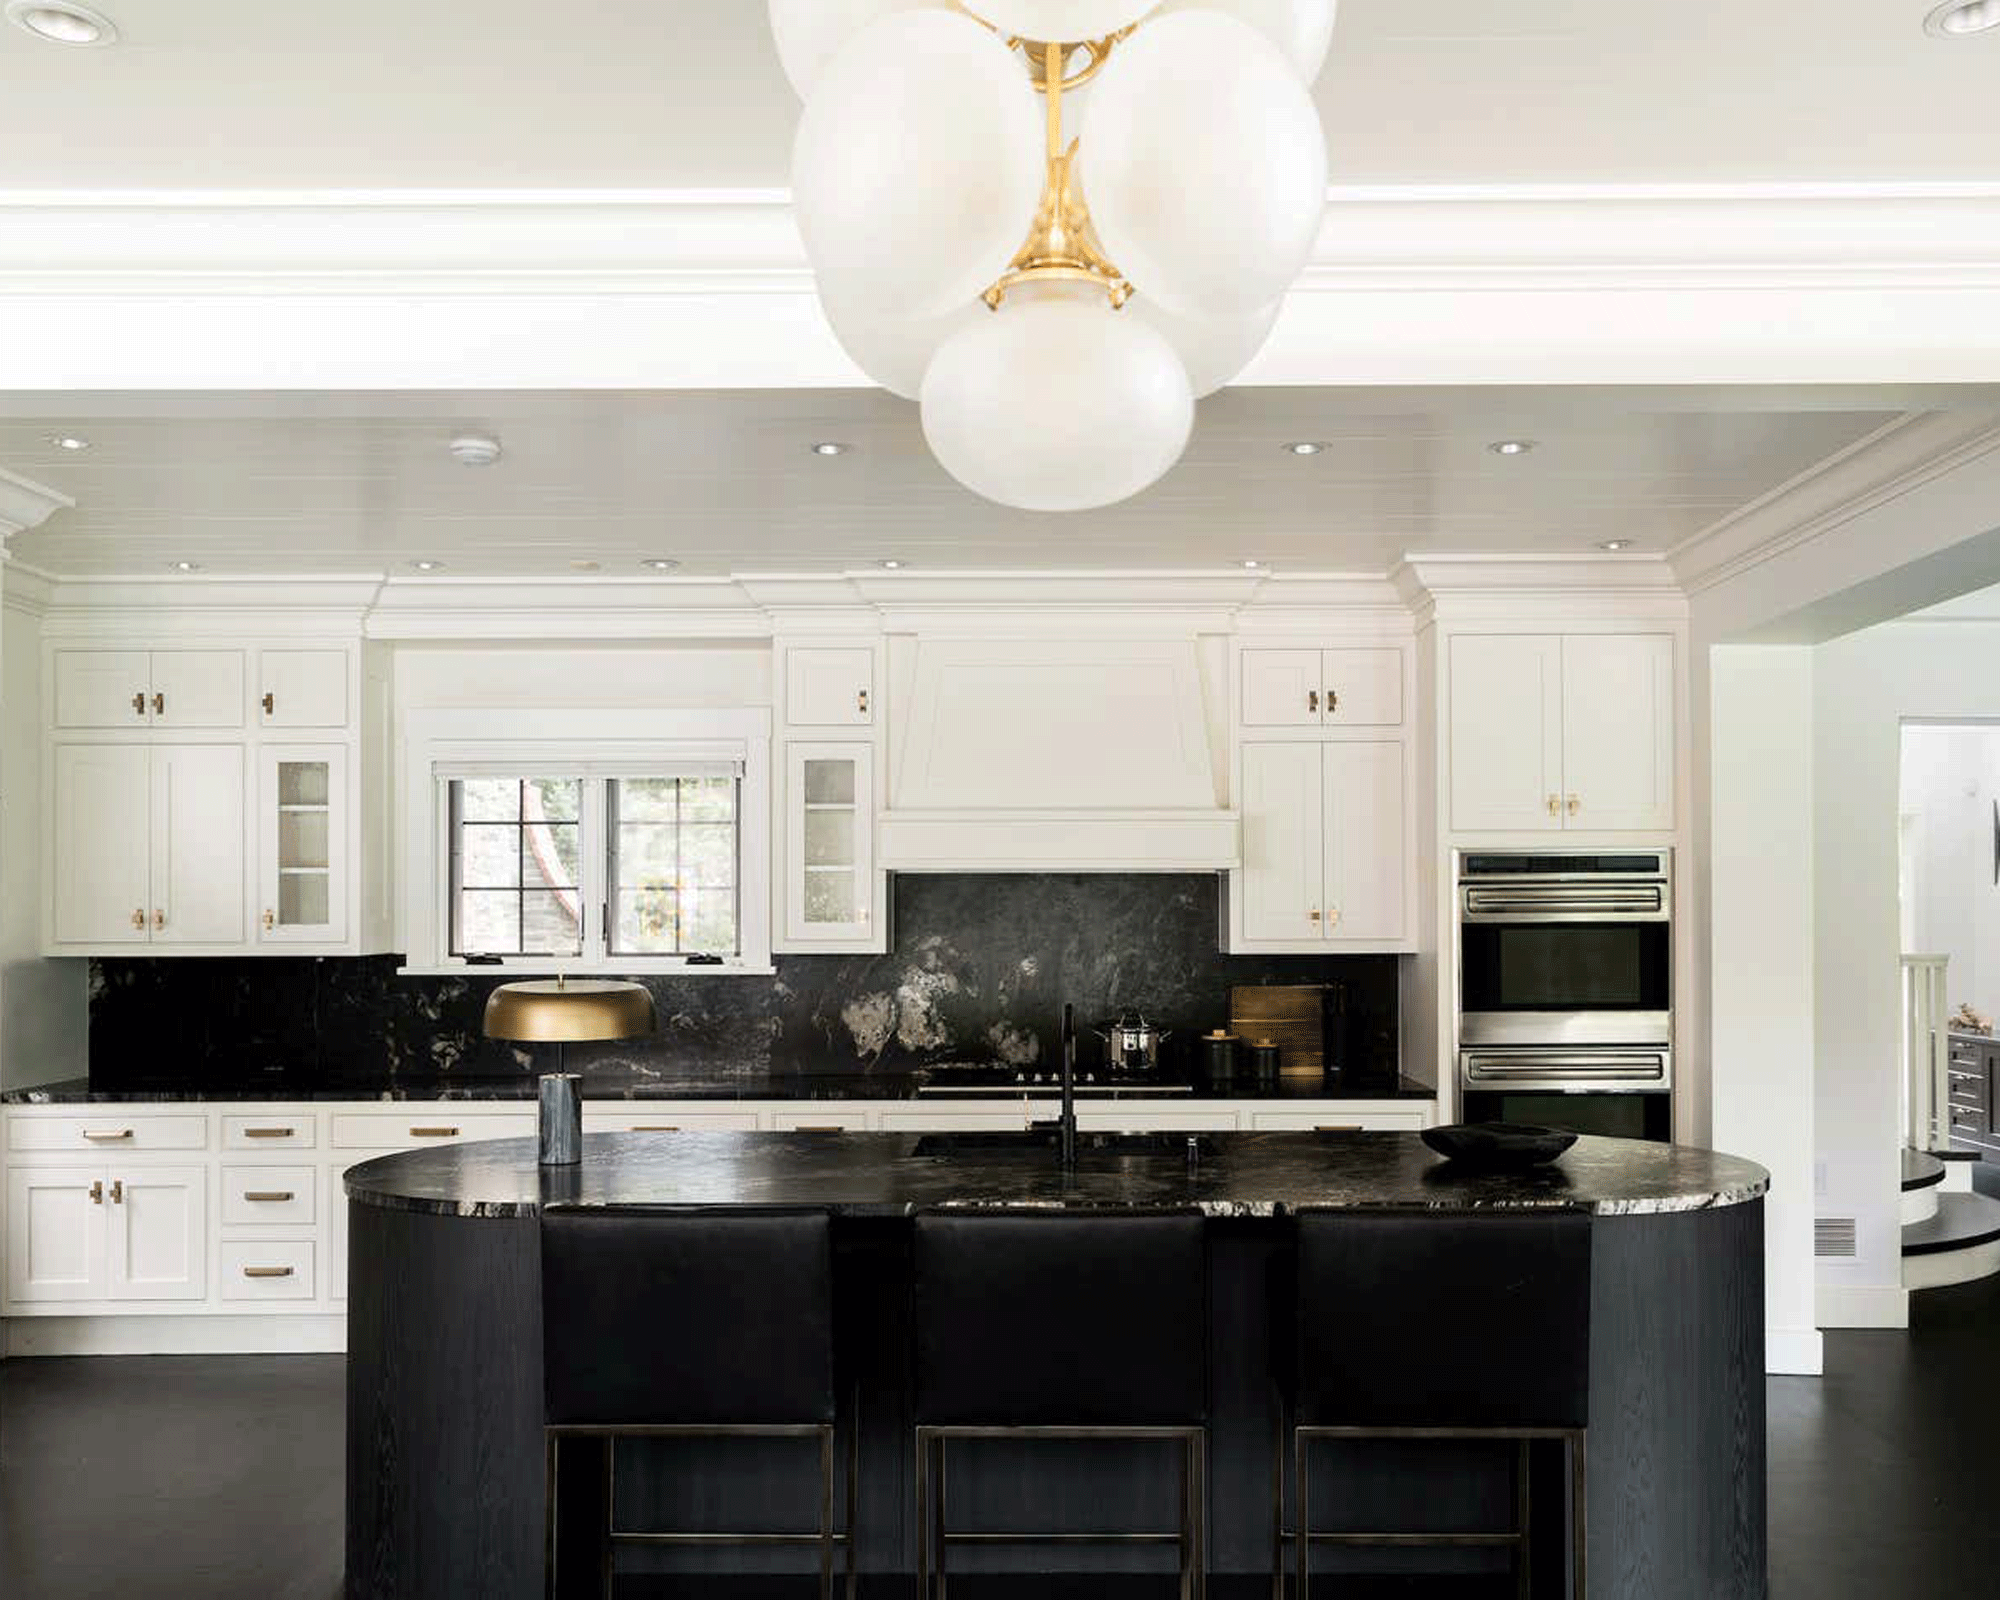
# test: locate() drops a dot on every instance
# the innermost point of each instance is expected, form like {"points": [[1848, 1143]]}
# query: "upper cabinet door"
{"points": [[1366, 864], [197, 688], [1282, 688], [1281, 878], [829, 892], [831, 688], [302, 826], [102, 689], [1506, 733], [302, 688], [99, 887], [1362, 688], [198, 844], [1618, 731]]}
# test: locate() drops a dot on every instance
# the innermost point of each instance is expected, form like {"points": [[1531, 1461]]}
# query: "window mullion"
{"points": [[594, 846]]}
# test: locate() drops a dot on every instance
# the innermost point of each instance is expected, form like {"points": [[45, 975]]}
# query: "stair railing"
{"points": [[1926, 1054]]}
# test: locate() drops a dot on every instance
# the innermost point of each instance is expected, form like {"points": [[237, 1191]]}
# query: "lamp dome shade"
{"points": [[1213, 349], [559, 1011]]}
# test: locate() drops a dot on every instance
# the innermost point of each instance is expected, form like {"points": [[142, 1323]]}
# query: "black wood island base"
{"points": [[445, 1447]]}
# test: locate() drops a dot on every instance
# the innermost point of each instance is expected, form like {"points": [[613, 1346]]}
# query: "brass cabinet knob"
{"points": [[1333, 917], [139, 702], [1312, 700], [118, 1192], [861, 701], [159, 705], [97, 1193], [270, 704], [1332, 701], [1555, 805], [1575, 805], [1313, 915], [159, 919], [270, 920], [139, 920]]}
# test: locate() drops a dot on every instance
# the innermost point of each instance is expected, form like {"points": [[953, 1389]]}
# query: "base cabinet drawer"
{"points": [[1340, 1119], [1154, 1119], [287, 1132], [637, 1119], [832, 1120], [253, 1269], [422, 1125], [254, 1196], [108, 1135]]}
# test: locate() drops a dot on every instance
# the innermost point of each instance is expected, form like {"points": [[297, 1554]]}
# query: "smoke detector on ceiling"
{"points": [[475, 450]]}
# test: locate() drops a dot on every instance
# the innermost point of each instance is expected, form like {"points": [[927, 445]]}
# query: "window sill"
{"points": [[638, 967]]}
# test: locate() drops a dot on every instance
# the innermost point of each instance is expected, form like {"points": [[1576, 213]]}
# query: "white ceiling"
{"points": [[725, 481], [635, 93]]}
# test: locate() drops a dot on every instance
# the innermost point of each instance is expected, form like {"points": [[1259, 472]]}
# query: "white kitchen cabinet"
{"points": [[147, 845], [197, 863], [1346, 1116], [257, 1269], [302, 873], [156, 1233], [1348, 687], [99, 885], [257, 1196], [102, 688], [55, 1234], [302, 688], [829, 881], [1554, 732], [830, 687], [1326, 857], [638, 1117], [197, 689]]}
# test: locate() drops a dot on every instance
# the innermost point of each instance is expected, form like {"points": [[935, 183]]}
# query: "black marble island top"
{"points": [[637, 1086], [893, 1174]]}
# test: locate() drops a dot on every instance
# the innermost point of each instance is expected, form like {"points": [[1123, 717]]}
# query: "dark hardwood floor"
{"points": [[220, 1477]]}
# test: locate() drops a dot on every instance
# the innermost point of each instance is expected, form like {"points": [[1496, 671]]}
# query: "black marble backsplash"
{"points": [[981, 968]]}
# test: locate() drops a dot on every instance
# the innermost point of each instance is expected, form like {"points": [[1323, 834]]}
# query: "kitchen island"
{"points": [[444, 1445]]}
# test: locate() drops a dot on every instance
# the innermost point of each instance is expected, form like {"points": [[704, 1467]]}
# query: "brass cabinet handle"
{"points": [[267, 1272], [861, 701], [97, 1193], [654, 1127], [159, 919], [105, 1135], [434, 1133], [117, 1191], [270, 920], [270, 704], [1333, 917], [269, 1133], [139, 702], [269, 1196], [1332, 701], [1575, 805], [1312, 700], [1337, 1127], [1313, 915], [159, 705], [818, 1127], [139, 919], [1555, 805]]}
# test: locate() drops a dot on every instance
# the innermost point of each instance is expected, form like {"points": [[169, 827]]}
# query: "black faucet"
{"points": [[1066, 1134]]}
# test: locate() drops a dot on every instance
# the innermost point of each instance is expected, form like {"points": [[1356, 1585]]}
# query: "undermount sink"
{"points": [[1044, 1139]]}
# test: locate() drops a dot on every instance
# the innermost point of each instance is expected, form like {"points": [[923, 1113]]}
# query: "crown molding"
{"points": [[1447, 588], [25, 589], [25, 504], [1882, 467]]}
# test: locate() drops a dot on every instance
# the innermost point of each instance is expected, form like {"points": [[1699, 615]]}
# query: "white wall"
{"points": [[1762, 897], [43, 1015], [1950, 782]]}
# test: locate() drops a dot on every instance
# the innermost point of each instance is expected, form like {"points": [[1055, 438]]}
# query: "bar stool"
{"points": [[1048, 1325], [689, 1324], [1427, 1325]]}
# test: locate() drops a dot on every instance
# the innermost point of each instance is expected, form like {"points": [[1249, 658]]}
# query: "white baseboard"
{"points": [[1862, 1305], [1794, 1352], [175, 1336]]}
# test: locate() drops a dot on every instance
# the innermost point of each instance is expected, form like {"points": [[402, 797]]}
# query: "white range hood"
{"points": [[1041, 755]]}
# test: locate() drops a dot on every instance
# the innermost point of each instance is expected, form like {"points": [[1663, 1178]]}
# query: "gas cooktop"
{"points": [[1007, 1080]]}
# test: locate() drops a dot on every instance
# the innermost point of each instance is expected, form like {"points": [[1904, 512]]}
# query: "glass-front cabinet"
{"points": [[829, 885], [302, 812]]}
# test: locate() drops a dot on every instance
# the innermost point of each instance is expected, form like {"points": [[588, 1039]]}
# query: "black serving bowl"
{"points": [[1498, 1146]]}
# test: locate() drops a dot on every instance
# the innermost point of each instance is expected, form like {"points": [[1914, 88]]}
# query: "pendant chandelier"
{"points": [[1058, 373]]}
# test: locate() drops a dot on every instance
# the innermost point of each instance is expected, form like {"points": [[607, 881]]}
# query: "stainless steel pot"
{"points": [[1131, 1043]]}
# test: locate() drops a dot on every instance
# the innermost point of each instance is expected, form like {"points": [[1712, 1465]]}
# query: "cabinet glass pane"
{"points": [[829, 783], [829, 838], [302, 839], [302, 783], [302, 900], [830, 896]]}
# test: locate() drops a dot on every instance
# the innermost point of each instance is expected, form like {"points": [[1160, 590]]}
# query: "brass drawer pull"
{"points": [[269, 1196], [269, 1133], [105, 1136], [434, 1133], [818, 1127], [1337, 1127], [654, 1127], [267, 1272]]}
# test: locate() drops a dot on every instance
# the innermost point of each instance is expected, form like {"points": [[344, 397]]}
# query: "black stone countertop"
{"points": [[883, 1174], [619, 1086]]}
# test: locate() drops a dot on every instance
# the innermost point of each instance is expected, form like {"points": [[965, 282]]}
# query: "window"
{"points": [[609, 841]]}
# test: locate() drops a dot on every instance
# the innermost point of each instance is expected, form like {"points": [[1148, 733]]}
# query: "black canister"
{"points": [[1218, 1056], [1264, 1060]]}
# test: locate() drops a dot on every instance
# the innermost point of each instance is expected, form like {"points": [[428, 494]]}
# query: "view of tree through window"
{"points": [[673, 877], [514, 858]]}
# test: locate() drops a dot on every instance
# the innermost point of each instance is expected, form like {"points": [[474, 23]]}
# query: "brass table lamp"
{"points": [[559, 1012]]}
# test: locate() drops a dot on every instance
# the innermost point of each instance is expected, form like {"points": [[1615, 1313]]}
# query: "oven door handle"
{"points": [[1560, 1068], [1550, 903]]}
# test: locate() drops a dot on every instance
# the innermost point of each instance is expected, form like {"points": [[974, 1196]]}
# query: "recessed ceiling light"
{"points": [[428, 566], [659, 564], [892, 564], [586, 566], [185, 566], [1614, 544], [1252, 562], [69, 441], [830, 447], [1511, 447], [62, 23], [1957, 18], [474, 449], [1305, 447]]}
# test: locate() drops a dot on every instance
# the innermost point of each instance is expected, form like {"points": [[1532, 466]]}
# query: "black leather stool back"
{"points": [[1425, 1320], [688, 1317], [1036, 1320]]}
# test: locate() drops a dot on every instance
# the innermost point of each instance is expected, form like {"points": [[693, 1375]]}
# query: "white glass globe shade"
{"points": [[893, 349], [918, 163], [809, 32], [1205, 164], [1056, 402], [1301, 29], [1060, 21], [1213, 349]]}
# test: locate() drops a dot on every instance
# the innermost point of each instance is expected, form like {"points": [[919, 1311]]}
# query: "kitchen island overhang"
{"points": [[445, 1451]]}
